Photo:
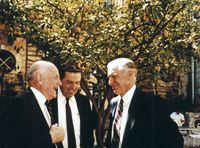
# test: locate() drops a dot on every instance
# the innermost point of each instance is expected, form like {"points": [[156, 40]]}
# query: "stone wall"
{"points": [[22, 55], [176, 87]]}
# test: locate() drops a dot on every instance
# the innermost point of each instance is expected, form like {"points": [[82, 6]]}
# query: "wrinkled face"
{"points": [[120, 80], [50, 83], [70, 84]]}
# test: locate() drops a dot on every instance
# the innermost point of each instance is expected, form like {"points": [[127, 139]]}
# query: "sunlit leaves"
{"points": [[153, 33]]}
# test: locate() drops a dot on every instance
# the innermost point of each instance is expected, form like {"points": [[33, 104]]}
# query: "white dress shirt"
{"points": [[41, 101], [62, 118], [127, 100]]}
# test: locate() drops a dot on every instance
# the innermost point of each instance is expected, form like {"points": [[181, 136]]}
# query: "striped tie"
{"points": [[117, 125], [50, 110]]}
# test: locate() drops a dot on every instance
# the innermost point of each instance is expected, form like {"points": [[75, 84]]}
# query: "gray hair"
{"points": [[38, 65], [121, 63]]}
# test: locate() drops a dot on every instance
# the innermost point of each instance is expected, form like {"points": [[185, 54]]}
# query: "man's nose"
{"points": [[59, 81], [73, 86], [110, 81]]}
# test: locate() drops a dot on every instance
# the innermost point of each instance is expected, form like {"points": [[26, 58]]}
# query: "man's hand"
{"points": [[57, 133]]}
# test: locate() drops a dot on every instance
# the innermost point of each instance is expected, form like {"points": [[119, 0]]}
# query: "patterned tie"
{"points": [[117, 125], [70, 127], [50, 110]]}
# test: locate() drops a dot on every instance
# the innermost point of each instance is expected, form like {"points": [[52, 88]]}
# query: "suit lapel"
{"points": [[84, 110], [37, 112], [80, 109], [132, 115], [114, 109]]}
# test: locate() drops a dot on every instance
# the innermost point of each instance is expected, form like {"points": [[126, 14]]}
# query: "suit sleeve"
{"points": [[165, 129]]}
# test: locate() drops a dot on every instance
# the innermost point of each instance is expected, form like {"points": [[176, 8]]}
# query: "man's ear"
{"points": [[132, 73], [135, 72], [39, 78]]}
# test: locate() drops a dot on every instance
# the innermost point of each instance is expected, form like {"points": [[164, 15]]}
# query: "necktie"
{"points": [[50, 110], [70, 128], [117, 126]]}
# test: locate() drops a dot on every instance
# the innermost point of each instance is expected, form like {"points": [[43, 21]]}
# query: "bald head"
{"points": [[44, 76], [122, 75], [39, 66]]}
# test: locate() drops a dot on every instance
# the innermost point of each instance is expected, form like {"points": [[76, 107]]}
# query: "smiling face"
{"points": [[44, 77], [70, 83], [121, 75], [50, 83], [121, 81]]}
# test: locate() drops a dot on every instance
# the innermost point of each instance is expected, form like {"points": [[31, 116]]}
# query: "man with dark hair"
{"points": [[138, 119], [73, 111]]}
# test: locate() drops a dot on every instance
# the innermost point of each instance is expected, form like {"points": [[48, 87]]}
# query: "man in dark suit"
{"points": [[83, 115], [30, 121], [138, 119]]}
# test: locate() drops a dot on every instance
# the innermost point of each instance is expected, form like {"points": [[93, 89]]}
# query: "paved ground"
{"points": [[191, 141]]}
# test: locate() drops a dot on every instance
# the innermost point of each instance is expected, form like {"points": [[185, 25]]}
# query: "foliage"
{"points": [[156, 35], [159, 35]]}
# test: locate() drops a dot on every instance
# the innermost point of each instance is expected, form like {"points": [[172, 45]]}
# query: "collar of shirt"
{"points": [[128, 97], [38, 95], [127, 101], [41, 101], [62, 117], [62, 98]]}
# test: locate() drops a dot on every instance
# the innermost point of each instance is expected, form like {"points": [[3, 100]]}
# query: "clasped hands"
{"points": [[57, 133]]}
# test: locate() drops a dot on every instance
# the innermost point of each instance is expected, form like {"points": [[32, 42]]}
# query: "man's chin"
{"points": [[54, 96], [71, 94], [115, 91]]}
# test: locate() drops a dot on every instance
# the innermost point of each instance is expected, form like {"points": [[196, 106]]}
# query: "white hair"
{"points": [[119, 64], [38, 65]]}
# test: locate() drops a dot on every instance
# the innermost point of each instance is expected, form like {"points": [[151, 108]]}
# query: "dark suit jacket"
{"points": [[87, 120], [4, 123], [149, 124], [28, 125]]}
